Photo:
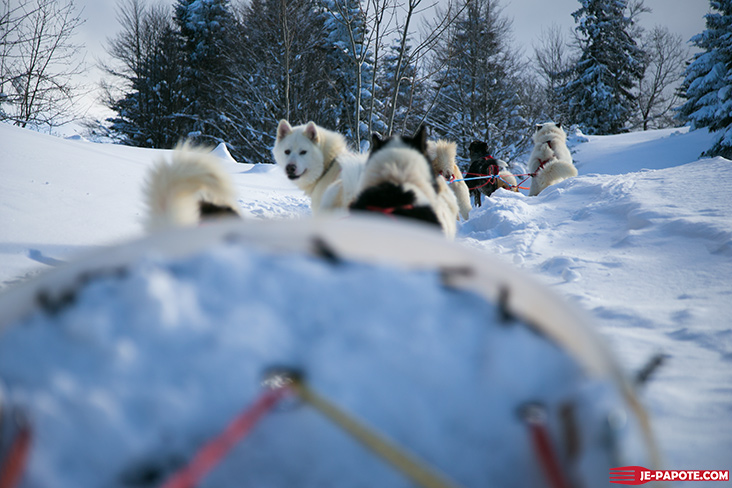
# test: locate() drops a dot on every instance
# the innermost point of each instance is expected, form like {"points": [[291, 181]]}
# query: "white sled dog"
{"points": [[442, 155], [189, 187], [399, 180], [319, 163], [550, 161]]}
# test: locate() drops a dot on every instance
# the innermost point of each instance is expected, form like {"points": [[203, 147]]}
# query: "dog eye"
{"points": [[287, 151], [302, 153]]}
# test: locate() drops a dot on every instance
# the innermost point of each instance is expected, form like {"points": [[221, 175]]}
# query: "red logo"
{"points": [[638, 475]]}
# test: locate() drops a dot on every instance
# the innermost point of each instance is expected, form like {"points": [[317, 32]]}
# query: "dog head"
{"points": [[403, 150], [398, 175], [418, 142], [298, 151], [548, 131], [478, 150]]}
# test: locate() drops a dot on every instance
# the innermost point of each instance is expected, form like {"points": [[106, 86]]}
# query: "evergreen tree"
{"points": [[206, 30], [279, 70], [708, 83], [480, 84], [410, 104], [351, 66], [599, 98], [147, 47]]}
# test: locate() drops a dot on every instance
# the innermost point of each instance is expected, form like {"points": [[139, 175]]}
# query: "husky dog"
{"points": [[316, 160], [189, 188], [398, 180], [550, 161], [483, 164], [442, 154]]}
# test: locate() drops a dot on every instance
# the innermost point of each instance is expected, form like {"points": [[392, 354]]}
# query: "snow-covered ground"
{"points": [[641, 239]]}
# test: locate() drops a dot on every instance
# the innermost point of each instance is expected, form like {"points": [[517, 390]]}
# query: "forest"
{"points": [[227, 71]]}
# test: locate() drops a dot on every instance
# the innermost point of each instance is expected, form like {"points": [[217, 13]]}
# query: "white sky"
{"points": [[684, 17]]}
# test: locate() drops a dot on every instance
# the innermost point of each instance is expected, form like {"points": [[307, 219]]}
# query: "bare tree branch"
{"points": [[39, 61]]}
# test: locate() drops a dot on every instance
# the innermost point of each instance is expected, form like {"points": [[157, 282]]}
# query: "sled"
{"points": [[485, 376]]}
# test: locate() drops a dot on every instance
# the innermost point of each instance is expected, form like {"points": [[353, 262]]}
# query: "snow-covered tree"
{"points": [[146, 66], [352, 66], [206, 31], [480, 94], [708, 83], [600, 95], [407, 104], [147, 114], [278, 69]]}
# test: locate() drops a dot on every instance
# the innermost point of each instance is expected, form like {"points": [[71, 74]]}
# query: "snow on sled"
{"points": [[131, 361]]}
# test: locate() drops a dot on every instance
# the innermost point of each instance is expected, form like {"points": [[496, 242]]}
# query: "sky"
{"points": [[683, 17], [529, 17]]}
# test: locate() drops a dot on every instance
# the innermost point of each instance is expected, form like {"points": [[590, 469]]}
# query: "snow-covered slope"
{"points": [[59, 198], [641, 239]]}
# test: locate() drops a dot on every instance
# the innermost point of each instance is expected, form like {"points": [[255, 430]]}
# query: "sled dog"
{"points": [[483, 164], [399, 180], [442, 154], [189, 187], [550, 161], [319, 163]]}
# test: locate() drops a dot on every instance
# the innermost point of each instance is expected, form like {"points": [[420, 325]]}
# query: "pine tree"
{"points": [[708, 83], [205, 28], [599, 98], [409, 107], [351, 66], [279, 70], [480, 84], [147, 48]]}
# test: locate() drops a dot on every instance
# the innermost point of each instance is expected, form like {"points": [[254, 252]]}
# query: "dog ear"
{"points": [[283, 129], [559, 125], [419, 140], [538, 127], [376, 142], [311, 131]]}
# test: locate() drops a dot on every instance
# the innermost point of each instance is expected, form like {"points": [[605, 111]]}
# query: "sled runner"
{"points": [[476, 374]]}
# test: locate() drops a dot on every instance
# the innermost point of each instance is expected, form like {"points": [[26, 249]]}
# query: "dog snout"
{"points": [[291, 169]]}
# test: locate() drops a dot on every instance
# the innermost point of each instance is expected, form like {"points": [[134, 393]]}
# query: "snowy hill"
{"points": [[641, 239]]}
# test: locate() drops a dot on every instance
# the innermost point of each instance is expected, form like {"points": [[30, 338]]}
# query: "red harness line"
{"points": [[389, 210], [490, 177], [541, 163], [214, 451], [543, 449], [12, 470]]}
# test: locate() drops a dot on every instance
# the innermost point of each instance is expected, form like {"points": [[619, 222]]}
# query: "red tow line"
{"points": [[211, 454], [11, 470], [535, 418]]}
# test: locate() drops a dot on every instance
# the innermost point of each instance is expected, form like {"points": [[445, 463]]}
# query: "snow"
{"points": [[641, 240]]}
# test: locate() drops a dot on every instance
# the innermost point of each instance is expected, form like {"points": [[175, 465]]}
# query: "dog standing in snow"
{"points": [[550, 161], [192, 186], [442, 154], [482, 164], [319, 163], [399, 180]]}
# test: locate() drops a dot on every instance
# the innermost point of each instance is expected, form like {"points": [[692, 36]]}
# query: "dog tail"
{"points": [[190, 187]]}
